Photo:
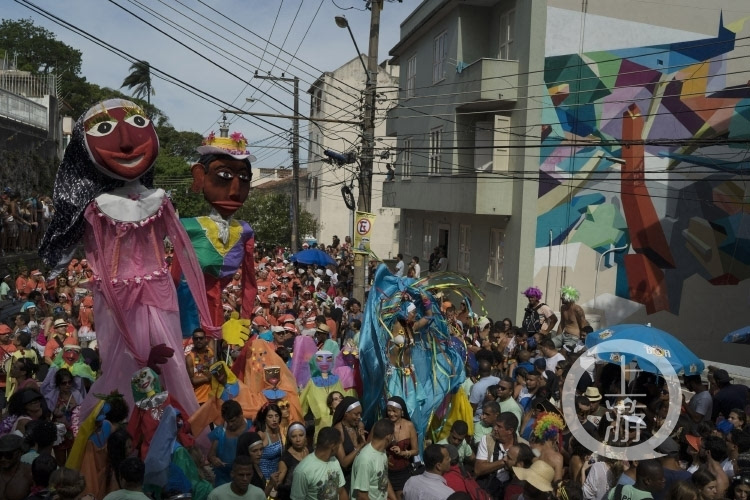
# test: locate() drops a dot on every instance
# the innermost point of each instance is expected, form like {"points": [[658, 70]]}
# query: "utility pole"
{"points": [[295, 153], [368, 142]]}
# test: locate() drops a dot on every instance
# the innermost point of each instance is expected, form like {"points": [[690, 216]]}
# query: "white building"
{"points": [[338, 95]]}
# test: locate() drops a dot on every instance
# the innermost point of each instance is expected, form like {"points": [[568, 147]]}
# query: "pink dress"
{"points": [[135, 302]]}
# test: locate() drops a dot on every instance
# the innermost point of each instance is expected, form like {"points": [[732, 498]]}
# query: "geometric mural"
{"points": [[641, 148]]}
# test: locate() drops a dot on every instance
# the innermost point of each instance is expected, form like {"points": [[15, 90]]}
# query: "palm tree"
{"points": [[140, 80]]}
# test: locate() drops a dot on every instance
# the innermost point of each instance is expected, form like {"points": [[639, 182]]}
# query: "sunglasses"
{"points": [[66, 382], [215, 372], [202, 337]]}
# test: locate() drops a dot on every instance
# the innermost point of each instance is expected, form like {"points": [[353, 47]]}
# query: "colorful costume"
{"points": [[425, 367], [223, 245], [314, 396], [102, 194], [210, 411]]}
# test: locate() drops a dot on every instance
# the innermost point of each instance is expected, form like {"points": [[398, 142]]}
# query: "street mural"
{"points": [[641, 149]]}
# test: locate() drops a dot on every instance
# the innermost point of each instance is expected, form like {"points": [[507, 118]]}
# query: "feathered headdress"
{"points": [[569, 294]]}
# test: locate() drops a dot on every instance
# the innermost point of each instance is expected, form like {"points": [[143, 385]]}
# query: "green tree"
{"points": [[268, 214], [139, 81], [36, 48]]}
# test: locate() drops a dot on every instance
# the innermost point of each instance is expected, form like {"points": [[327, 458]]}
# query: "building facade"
{"points": [[337, 95], [625, 133]]}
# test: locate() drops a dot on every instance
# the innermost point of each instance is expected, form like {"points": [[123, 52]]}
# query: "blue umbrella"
{"points": [[741, 336], [652, 343], [313, 256]]}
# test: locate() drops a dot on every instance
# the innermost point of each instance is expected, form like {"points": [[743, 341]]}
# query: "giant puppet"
{"points": [[223, 244], [103, 196]]}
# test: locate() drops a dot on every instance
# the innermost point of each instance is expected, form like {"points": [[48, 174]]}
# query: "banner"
{"points": [[363, 223]]}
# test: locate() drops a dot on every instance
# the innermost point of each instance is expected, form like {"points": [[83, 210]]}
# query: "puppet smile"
{"points": [[133, 161]]}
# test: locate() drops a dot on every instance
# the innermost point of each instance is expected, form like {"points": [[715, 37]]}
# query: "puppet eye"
{"points": [[102, 128], [138, 121]]}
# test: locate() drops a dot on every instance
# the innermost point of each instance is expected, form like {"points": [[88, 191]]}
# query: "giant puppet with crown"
{"points": [[103, 197], [223, 244]]}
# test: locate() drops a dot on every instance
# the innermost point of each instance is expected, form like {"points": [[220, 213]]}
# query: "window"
{"points": [[408, 231], [319, 101], [483, 133], [507, 35], [464, 248], [308, 191], [497, 255], [436, 141], [406, 159], [439, 56], [315, 188], [501, 156], [411, 77], [427, 240]]}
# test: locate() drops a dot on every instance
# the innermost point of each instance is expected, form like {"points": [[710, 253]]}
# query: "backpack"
{"points": [[532, 320]]}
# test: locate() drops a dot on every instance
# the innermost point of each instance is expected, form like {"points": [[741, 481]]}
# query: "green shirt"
{"points": [[315, 479], [370, 473], [629, 492], [464, 450]]}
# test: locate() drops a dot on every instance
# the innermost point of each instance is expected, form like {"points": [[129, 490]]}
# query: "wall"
{"points": [[643, 149]]}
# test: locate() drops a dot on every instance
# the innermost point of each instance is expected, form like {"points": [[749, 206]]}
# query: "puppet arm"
{"points": [[183, 251], [249, 283]]}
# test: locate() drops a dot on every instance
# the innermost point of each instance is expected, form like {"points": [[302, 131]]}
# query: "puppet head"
{"points": [[112, 143], [221, 376], [324, 361], [120, 139], [223, 172], [145, 383], [272, 375], [71, 354], [349, 352]]}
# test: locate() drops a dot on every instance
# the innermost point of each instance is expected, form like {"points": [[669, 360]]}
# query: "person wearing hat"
{"points": [[59, 339], [537, 480], [224, 246], [15, 477], [729, 396], [597, 411], [22, 283], [670, 462], [322, 333]]}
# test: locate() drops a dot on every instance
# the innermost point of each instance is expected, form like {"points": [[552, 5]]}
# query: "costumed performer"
{"points": [[314, 395], [224, 386], [266, 386], [103, 195], [429, 367], [225, 246]]}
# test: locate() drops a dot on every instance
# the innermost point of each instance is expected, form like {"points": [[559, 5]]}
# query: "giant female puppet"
{"points": [[103, 196]]}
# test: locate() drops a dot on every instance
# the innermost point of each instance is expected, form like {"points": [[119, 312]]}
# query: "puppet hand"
{"points": [[159, 355], [236, 331]]}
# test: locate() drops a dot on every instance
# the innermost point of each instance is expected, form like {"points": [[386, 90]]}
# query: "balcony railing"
{"points": [[19, 109]]}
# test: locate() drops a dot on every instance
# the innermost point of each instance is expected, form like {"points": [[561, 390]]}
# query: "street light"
{"points": [[342, 22]]}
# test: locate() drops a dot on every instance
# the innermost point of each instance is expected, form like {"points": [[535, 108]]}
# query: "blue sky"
{"points": [[302, 27]]}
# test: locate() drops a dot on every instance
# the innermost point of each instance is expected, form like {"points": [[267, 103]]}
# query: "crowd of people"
{"points": [[24, 220], [281, 411]]}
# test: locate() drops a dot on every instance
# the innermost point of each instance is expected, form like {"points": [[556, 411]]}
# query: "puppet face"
{"points": [[272, 375], [71, 356], [324, 360], [121, 139], [143, 380], [225, 183], [349, 353]]}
